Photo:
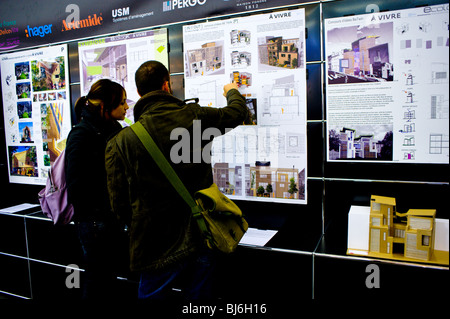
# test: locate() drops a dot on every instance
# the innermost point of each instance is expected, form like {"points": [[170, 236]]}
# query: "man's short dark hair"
{"points": [[150, 76]]}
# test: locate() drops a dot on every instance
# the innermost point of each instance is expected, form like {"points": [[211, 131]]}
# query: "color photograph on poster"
{"points": [[265, 55], [37, 115], [117, 58], [387, 87]]}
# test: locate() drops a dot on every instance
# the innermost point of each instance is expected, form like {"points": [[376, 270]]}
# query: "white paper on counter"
{"points": [[17, 208], [257, 237]]}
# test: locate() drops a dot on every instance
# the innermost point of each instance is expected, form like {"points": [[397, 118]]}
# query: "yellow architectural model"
{"points": [[382, 210], [419, 233]]}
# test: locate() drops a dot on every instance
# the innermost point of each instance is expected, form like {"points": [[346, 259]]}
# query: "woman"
{"points": [[98, 113]]}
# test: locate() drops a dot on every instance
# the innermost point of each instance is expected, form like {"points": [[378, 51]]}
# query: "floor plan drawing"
{"points": [[439, 143]]}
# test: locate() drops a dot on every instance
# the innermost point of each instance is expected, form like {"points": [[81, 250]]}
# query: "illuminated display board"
{"points": [[265, 55], [387, 86]]}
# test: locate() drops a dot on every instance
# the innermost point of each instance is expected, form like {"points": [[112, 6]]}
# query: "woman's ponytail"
{"points": [[80, 105]]}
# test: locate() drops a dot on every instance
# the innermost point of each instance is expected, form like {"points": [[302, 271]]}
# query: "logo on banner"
{"points": [[121, 12], [6, 28], [181, 4], [8, 35], [436, 9], [73, 20]]}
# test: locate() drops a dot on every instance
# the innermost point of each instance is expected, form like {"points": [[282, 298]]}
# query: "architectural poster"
{"points": [[61, 21], [36, 105], [117, 58], [387, 86], [265, 55]]}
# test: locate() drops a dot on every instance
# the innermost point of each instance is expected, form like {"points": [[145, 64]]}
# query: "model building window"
{"points": [[376, 221], [425, 240], [376, 206]]}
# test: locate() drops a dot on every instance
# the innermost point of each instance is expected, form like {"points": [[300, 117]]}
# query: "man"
{"points": [[165, 243]]}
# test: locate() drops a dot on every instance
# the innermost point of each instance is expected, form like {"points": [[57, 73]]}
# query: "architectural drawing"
{"points": [[295, 143], [205, 92], [243, 79], [105, 62], [23, 90], [52, 129], [439, 73], [265, 58], [205, 60], [36, 98], [409, 128], [351, 145], [24, 109], [22, 70], [409, 97], [439, 107], [280, 101], [241, 59], [408, 57], [409, 155], [22, 161], [26, 132], [240, 37], [365, 59], [48, 74], [439, 143], [245, 179], [280, 52], [409, 115], [409, 79], [409, 140]]}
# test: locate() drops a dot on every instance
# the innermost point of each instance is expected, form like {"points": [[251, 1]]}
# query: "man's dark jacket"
{"points": [[161, 231], [85, 167]]}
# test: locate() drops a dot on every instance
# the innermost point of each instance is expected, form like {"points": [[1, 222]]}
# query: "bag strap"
{"points": [[165, 167]]}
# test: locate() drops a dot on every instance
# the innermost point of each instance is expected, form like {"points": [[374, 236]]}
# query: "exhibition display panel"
{"points": [[36, 107], [265, 55], [387, 86]]}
